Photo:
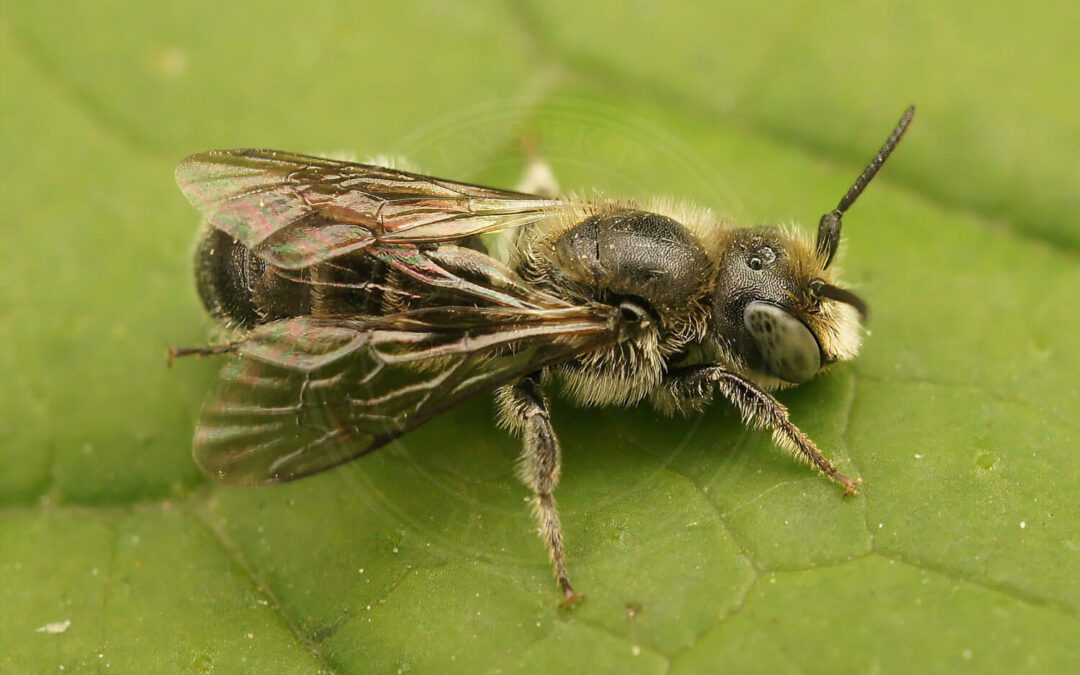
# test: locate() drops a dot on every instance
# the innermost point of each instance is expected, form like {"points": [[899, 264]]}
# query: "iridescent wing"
{"points": [[303, 395], [295, 210]]}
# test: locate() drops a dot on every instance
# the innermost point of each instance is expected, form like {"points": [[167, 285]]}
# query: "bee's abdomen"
{"points": [[239, 288]]}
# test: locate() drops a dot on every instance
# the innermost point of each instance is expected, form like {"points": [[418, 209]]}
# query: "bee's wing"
{"points": [[295, 210], [303, 395]]}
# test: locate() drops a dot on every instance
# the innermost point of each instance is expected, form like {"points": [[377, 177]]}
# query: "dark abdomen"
{"points": [[239, 288]]}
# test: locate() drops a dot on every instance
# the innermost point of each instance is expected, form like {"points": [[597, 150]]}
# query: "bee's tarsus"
{"points": [[523, 409]]}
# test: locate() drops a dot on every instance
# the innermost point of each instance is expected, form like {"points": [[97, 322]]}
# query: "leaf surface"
{"points": [[699, 545]]}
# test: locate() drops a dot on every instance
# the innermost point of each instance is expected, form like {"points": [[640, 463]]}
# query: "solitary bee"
{"points": [[364, 301]]}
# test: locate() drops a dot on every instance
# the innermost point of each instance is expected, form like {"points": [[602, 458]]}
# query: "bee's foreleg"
{"points": [[523, 409], [756, 406]]}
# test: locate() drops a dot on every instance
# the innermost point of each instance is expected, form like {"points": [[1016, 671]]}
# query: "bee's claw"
{"points": [[571, 600], [570, 597], [851, 485]]}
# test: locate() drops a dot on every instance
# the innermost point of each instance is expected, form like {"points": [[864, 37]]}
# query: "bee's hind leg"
{"points": [[523, 409]]}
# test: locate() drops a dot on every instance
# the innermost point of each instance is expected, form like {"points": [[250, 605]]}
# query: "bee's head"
{"points": [[776, 310]]}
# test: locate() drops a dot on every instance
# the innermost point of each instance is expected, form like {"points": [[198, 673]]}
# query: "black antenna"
{"points": [[828, 234], [843, 295]]}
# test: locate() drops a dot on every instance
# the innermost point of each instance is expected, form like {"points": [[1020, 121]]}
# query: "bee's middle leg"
{"points": [[523, 409], [538, 177]]}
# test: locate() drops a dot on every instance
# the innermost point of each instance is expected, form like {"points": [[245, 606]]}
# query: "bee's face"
{"points": [[769, 312]]}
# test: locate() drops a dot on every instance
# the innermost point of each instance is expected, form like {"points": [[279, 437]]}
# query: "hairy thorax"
{"points": [[639, 261]]}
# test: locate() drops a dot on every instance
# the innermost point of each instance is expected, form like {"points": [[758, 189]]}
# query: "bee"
{"points": [[363, 300]]}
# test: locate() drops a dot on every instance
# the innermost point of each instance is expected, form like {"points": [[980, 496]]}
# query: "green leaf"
{"points": [[699, 545]]}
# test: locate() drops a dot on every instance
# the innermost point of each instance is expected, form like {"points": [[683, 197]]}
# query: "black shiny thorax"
{"points": [[634, 254]]}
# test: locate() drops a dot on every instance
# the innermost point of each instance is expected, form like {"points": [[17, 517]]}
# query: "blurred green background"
{"points": [[701, 547]]}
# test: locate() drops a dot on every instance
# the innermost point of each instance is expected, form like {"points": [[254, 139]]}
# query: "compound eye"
{"points": [[788, 349]]}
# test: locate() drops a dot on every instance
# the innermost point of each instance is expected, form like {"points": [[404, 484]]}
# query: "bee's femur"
{"points": [[828, 236]]}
